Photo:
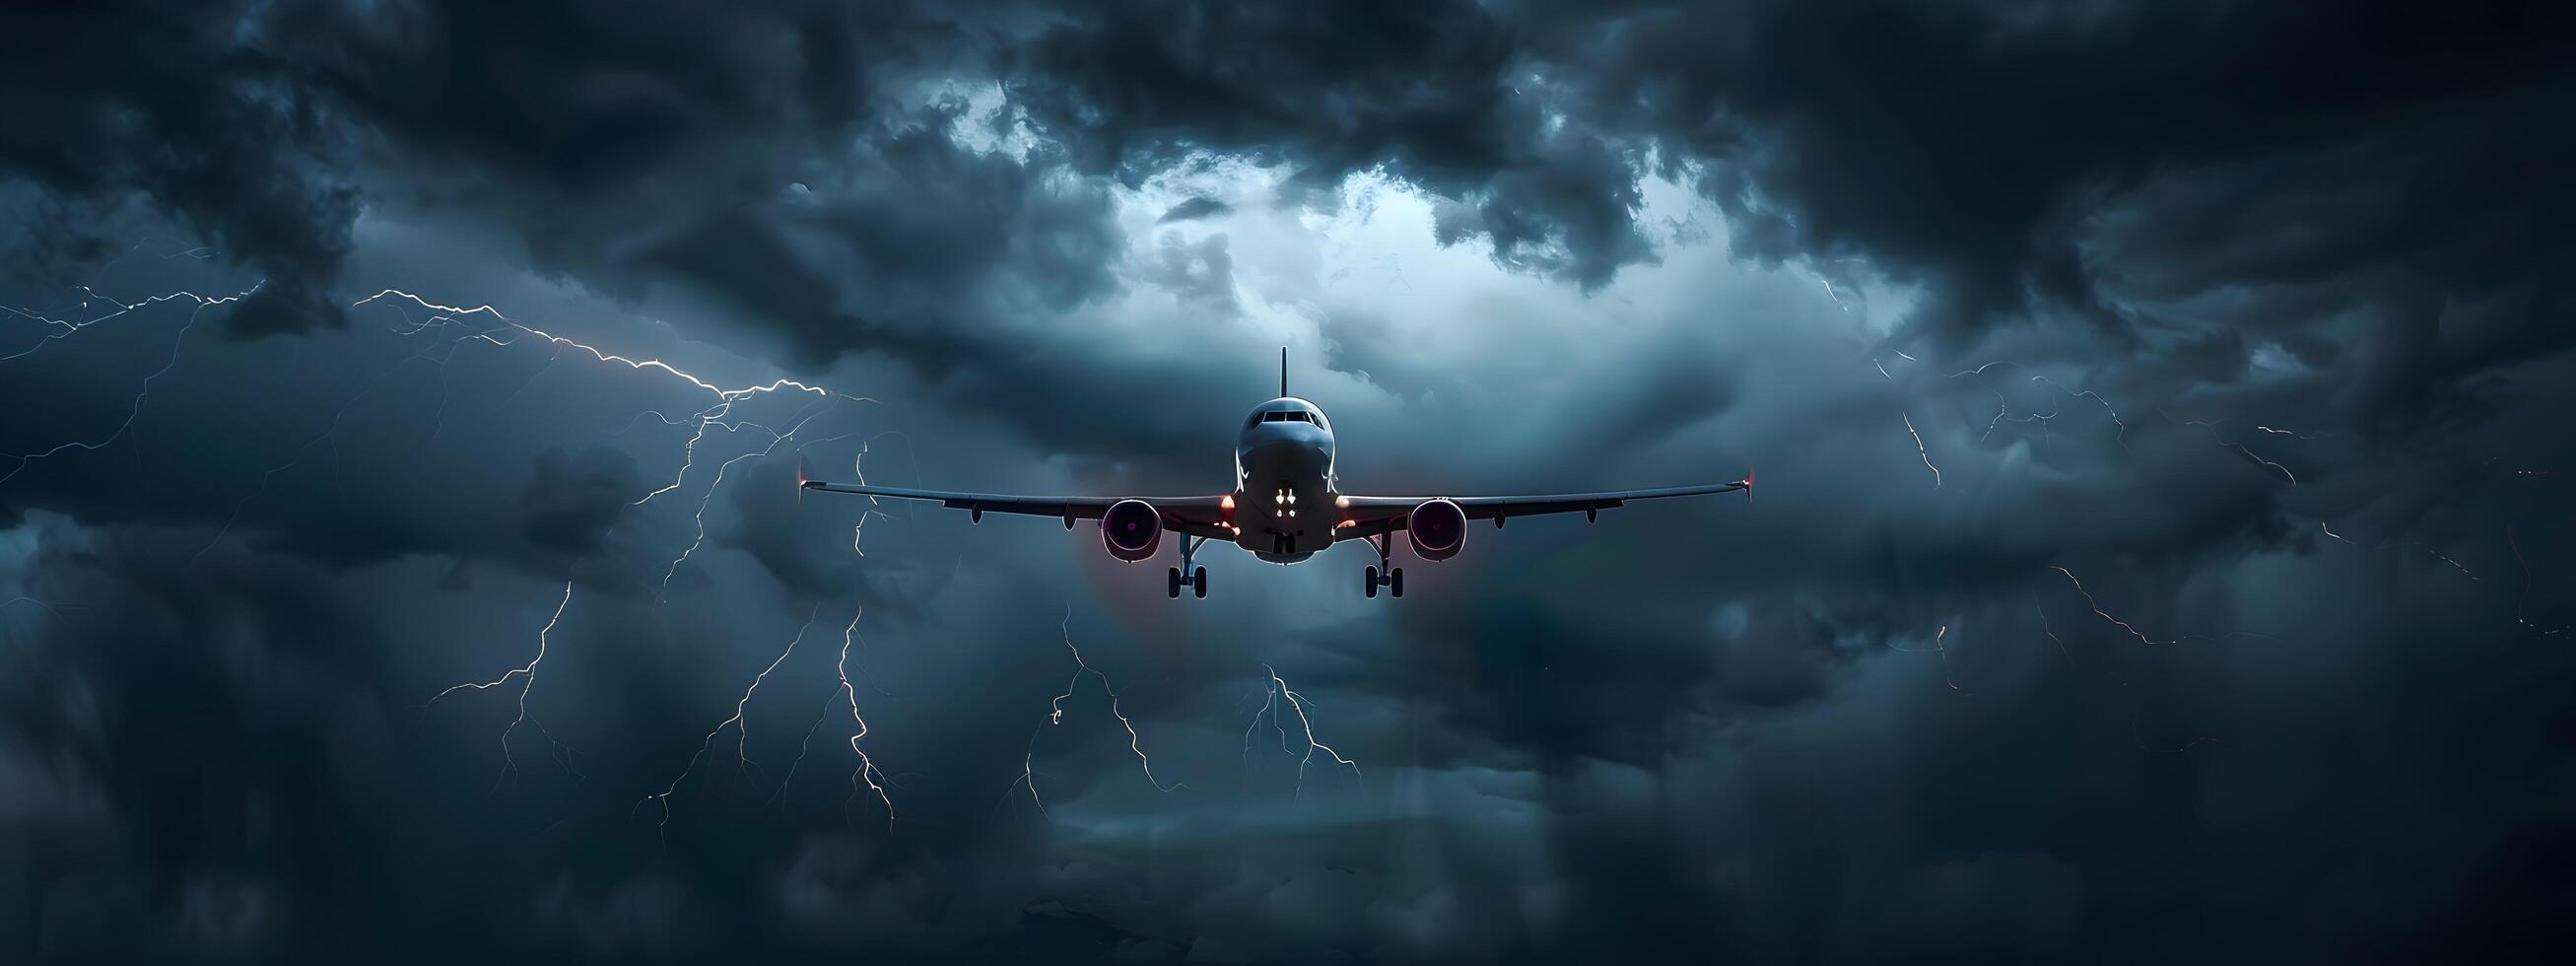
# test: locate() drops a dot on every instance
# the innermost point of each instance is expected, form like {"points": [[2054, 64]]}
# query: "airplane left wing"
{"points": [[1381, 514], [1197, 516]]}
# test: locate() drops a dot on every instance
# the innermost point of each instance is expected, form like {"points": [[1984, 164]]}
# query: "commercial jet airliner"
{"points": [[1286, 505]]}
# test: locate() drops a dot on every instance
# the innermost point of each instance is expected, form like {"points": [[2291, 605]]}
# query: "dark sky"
{"points": [[2163, 550]]}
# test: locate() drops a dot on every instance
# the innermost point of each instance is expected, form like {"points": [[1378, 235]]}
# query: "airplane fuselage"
{"points": [[1284, 485]]}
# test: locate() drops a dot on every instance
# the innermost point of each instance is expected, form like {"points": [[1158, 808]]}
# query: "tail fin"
{"points": [[1283, 372]]}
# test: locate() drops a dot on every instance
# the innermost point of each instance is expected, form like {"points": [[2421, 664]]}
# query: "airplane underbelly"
{"points": [[1286, 512]]}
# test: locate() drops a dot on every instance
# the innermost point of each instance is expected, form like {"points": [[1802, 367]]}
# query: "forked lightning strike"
{"points": [[527, 673], [741, 726], [1276, 690], [143, 393], [1055, 716], [865, 772], [1939, 637]]}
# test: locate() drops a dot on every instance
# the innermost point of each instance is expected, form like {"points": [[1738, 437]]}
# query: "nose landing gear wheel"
{"points": [[1173, 582], [1370, 589], [1395, 582], [1198, 582]]}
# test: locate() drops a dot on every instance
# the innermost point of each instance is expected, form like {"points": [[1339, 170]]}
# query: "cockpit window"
{"points": [[1288, 416]]}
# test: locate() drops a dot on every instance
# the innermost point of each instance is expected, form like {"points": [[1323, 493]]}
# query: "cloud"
{"points": [[2274, 373]]}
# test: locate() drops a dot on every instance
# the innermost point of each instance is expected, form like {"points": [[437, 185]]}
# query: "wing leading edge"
{"points": [[1386, 513], [1198, 516]]}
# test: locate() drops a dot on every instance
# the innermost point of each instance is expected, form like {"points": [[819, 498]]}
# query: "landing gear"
{"points": [[1185, 575], [1379, 574]]}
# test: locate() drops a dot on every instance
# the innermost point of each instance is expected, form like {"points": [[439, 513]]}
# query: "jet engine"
{"points": [[1438, 529], [1131, 529]]}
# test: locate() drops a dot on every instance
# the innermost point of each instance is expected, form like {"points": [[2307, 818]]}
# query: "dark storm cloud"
{"points": [[2012, 157], [1857, 717], [1194, 209], [571, 500], [1424, 91], [115, 102]]}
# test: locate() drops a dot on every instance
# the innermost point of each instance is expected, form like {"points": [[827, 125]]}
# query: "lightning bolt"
{"points": [[527, 675], [699, 518], [742, 730], [2098, 612], [143, 394], [719, 413], [2240, 450], [1920, 451], [1276, 692], [2052, 633], [2121, 436], [1938, 647], [1055, 716], [865, 772]]}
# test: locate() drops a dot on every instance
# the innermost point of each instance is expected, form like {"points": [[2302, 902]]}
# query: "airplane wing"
{"points": [[1197, 516], [1372, 515]]}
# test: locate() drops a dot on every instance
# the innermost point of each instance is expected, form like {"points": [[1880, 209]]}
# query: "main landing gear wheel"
{"points": [[1395, 582], [1185, 575], [1370, 590]]}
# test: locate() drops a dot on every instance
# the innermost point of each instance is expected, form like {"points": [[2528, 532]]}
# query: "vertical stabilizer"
{"points": [[1283, 371]]}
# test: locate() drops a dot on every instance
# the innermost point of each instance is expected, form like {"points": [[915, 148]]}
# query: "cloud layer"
{"points": [[2157, 556]]}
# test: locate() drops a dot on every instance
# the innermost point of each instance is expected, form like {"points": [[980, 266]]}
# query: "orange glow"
{"points": [[1226, 503]]}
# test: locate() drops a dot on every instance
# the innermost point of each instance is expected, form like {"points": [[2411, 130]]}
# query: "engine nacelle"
{"points": [[1438, 529], [1131, 529]]}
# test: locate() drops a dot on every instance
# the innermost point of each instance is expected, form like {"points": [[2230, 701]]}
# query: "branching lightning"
{"points": [[2121, 436], [527, 675], [1275, 693], [742, 728], [1942, 649], [865, 773], [143, 393], [719, 413], [1055, 716]]}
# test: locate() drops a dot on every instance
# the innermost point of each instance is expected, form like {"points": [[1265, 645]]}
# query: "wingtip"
{"points": [[1748, 483]]}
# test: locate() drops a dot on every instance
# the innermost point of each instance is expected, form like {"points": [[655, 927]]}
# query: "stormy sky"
{"points": [[2162, 549]]}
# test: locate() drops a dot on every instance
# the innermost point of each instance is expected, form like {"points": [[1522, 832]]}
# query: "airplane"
{"points": [[1286, 504]]}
